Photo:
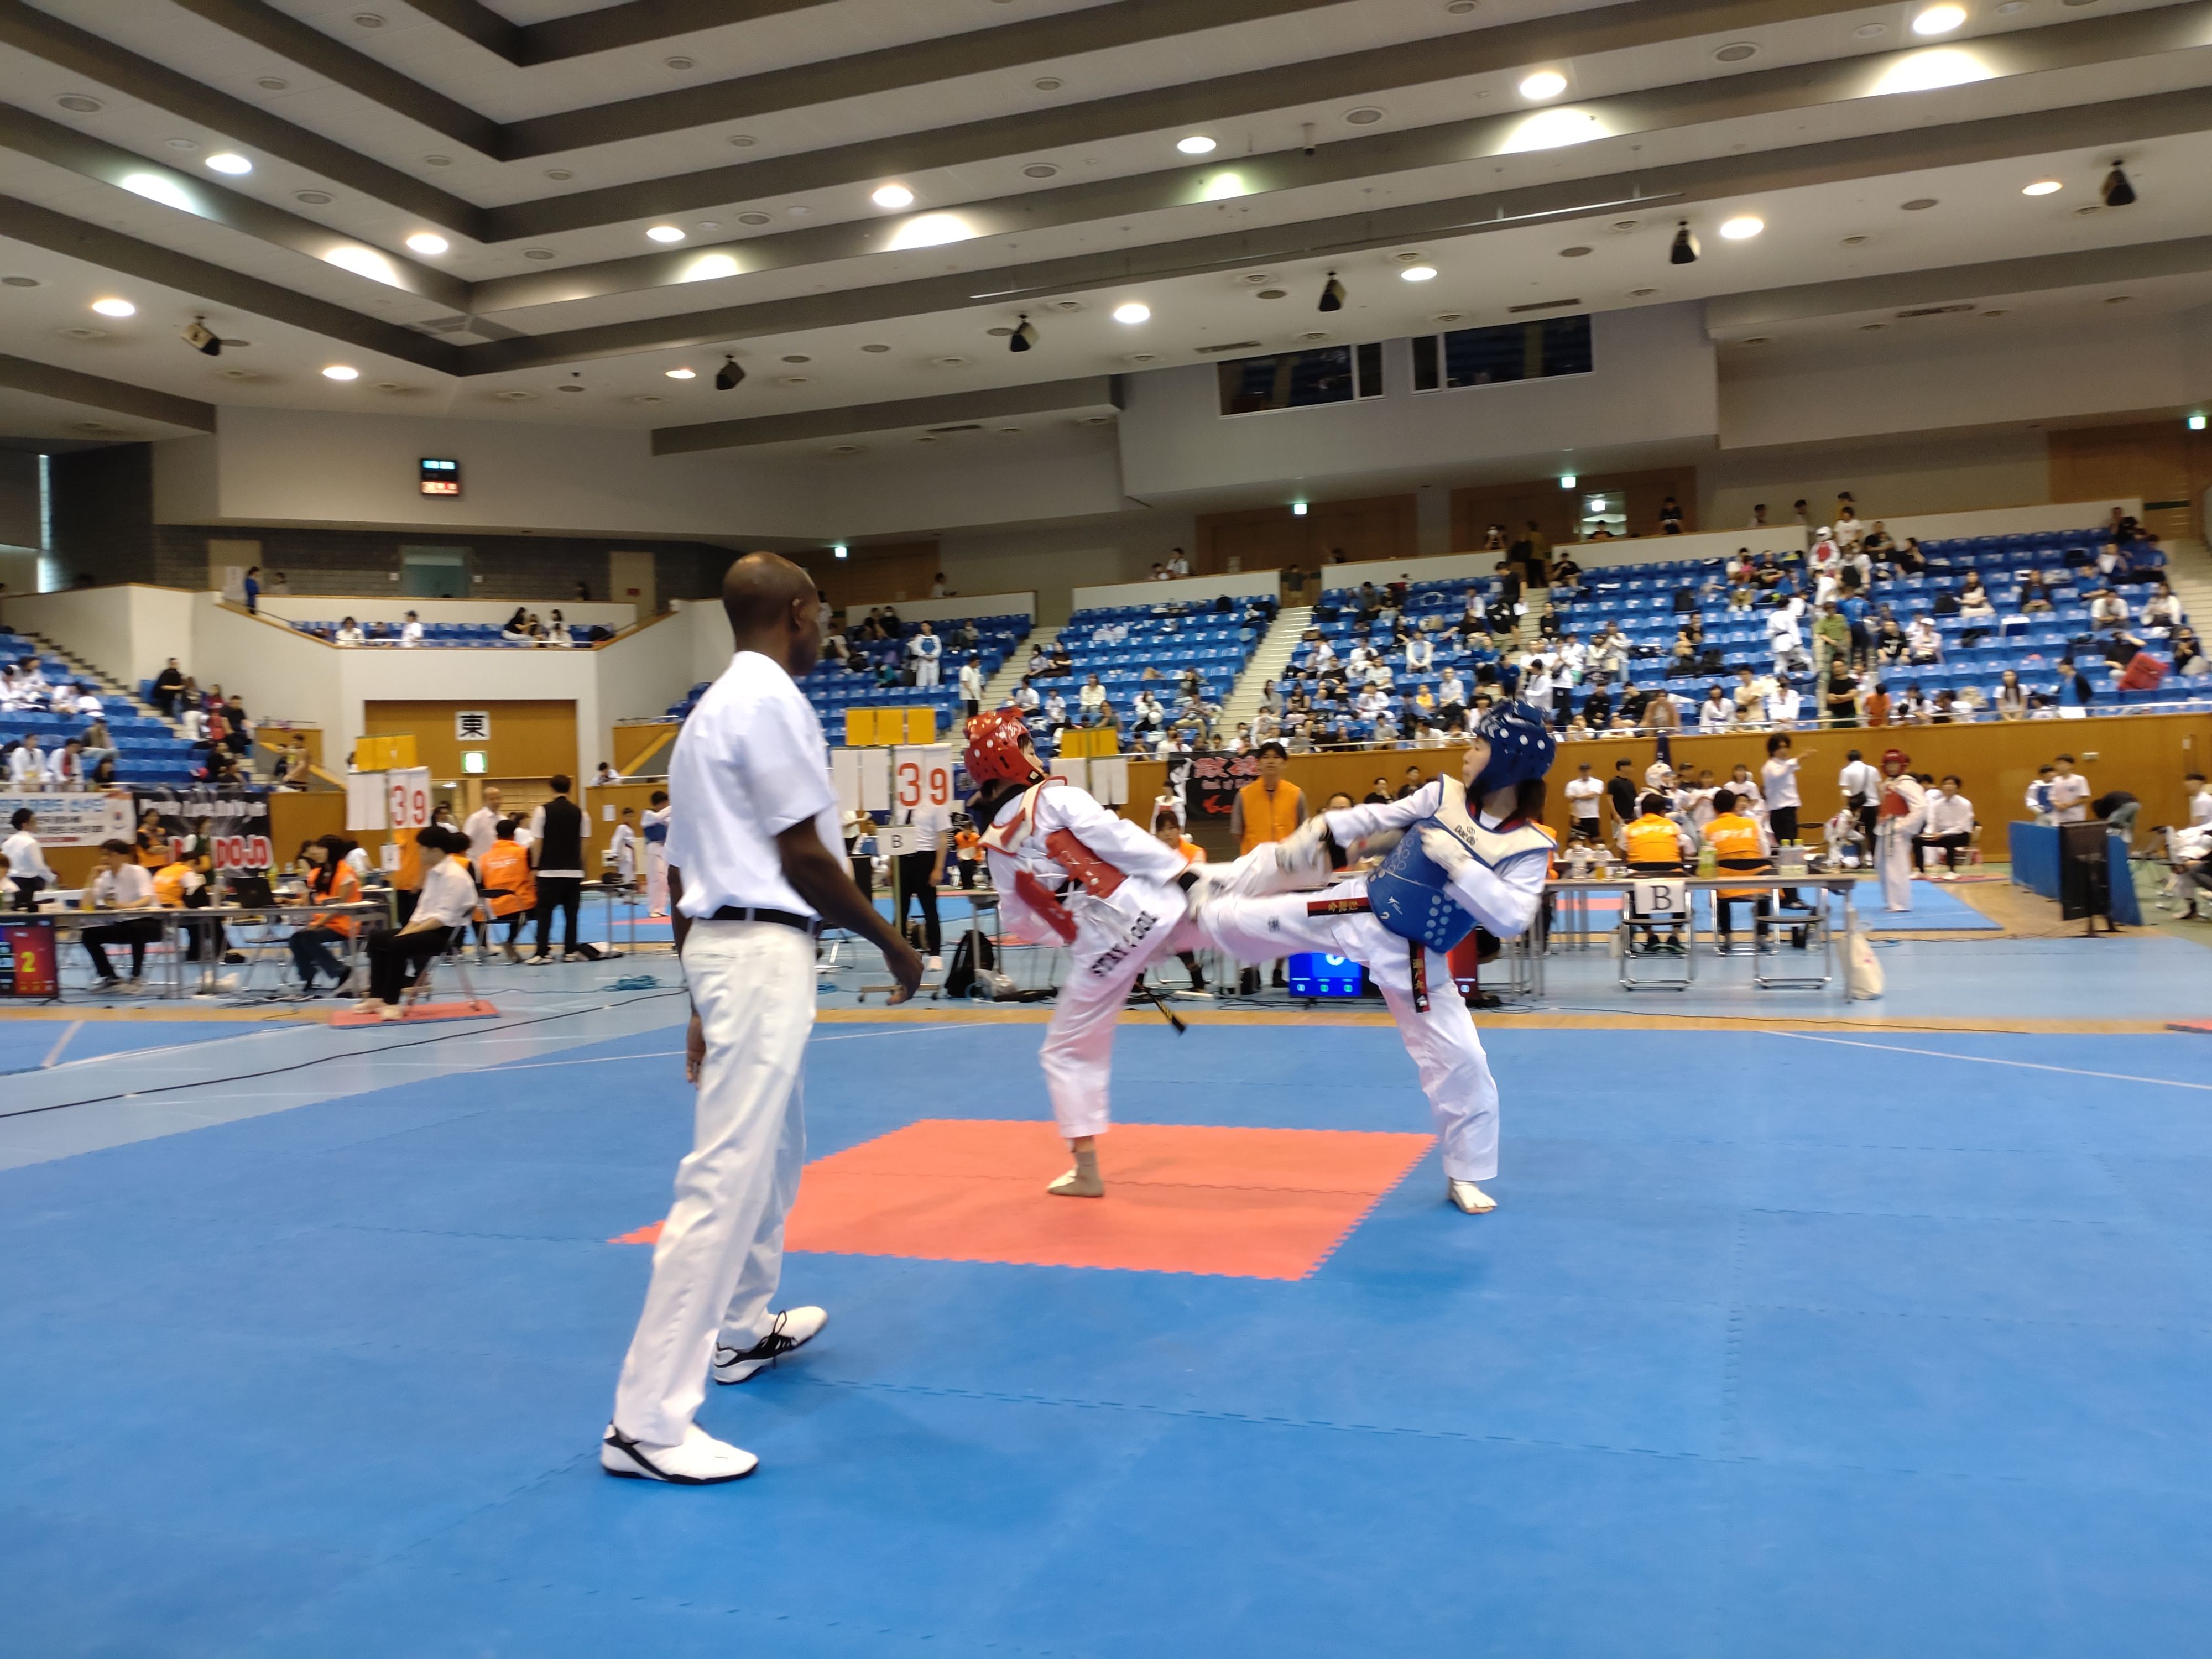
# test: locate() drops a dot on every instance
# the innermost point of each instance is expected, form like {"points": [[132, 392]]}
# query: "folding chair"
{"points": [[1649, 903]]}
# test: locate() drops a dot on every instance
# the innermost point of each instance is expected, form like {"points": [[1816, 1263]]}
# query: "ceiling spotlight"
{"points": [[1197, 144], [727, 377], [224, 161], [1133, 312], [2117, 192], [115, 308], [424, 241], [1742, 228], [1684, 250], [665, 233], [1939, 19], [1568, 481], [1025, 337], [202, 338], [1332, 295], [892, 196], [341, 372], [682, 374], [2042, 187], [1297, 509], [1543, 83], [2197, 423], [1419, 273], [840, 551]]}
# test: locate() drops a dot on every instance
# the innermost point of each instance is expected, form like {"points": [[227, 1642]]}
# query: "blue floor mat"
{"points": [[26, 1045], [1918, 1366]]}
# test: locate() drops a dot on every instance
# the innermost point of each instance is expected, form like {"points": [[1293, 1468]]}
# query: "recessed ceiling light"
{"points": [[754, 219], [273, 83], [313, 198], [1624, 226], [368, 20], [1871, 31], [680, 63], [1000, 333], [1366, 116], [1543, 83], [1918, 204], [892, 196], [1460, 8], [1572, 253], [241, 375], [84, 333], [1197, 144], [540, 254], [682, 374], [2118, 298], [795, 380], [665, 233], [1273, 294], [2088, 208], [876, 346], [949, 362], [115, 308], [438, 160], [392, 385], [559, 175], [426, 241], [224, 160], [1735, 52], [1039, 170], [1939, 19], [799, 211], [91, 426], [1449, 317], [1008, 431], [1872, 328], [742, 140], [1742, 228], [18, 282], [799, 357], [1642, 293], [182, 143], [1419, 273], [2042, 187], [78, 103], [647, 398], [1143, 357], [845, 449], [1047, 83], [569, 387], [1096, 420], [341, 372], [1133, 312], [1854, 241]]}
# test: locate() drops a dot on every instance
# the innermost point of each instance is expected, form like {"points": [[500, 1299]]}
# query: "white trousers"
{"points": [[925, 671], [1111, 948], [656, 876], [1455, 1072], [1893, 859], [721, 1254]]}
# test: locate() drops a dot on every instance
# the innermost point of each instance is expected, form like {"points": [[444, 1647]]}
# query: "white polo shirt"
{"points": [[1948, 815], [116, 890], [2070, 797], [749, 763], [1584, 797]]}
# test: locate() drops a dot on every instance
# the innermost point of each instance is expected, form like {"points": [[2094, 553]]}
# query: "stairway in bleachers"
{"points": [[1268, 663], [999, 688], [150, 751]]}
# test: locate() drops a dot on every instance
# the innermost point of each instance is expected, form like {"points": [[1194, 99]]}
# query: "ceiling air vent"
{"points": [[972, 426], [1932, 311], [1543, 305], [1234, 345]]}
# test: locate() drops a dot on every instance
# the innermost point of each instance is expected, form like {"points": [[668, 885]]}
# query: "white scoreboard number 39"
{"points": [[408, 797], [922, 778]]}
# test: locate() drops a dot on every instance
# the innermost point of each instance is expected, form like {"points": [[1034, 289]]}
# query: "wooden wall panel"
{"points": [[530, 738], [2145, 754], [1475, 507], [1270, 538], [882, 575], [2169, 466]]}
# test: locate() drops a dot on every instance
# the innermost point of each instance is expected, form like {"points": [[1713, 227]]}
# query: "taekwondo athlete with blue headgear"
{"points": [[1462, 852]]}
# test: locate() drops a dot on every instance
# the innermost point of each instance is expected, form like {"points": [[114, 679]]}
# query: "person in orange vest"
{"points": [[1268, 809], [1739, 841], [333, 882], [1655, 845], [508, 884]]}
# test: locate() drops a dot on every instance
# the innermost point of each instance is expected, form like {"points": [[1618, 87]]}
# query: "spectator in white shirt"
{"points": [[1585, 804], [2069, 793], [1451, 691], [1178, 565], [26, 767], [410, 631], [1860, 785], [66, 767], [971, 687], [1782, 705], [1949, 825], [605, 775], [2107, 607], [1025, 697], [1715, 713], [2200, 800], [350, 632], [1055, 710], [121, 884], [1420, 654], [1091, 699]]}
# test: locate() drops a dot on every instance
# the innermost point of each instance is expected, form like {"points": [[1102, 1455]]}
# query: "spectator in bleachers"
{"points": [[2190, 660], [1063, 661], [971, 688], [2162, 609], [1178, 565], [2011, 698], [65, 768], [517, 627], [2106, 606], [166, 685], [1158, 573], [1596, 711], [1091, 700], [26, 767], [964, 636], [927, 653], [1025, 697], [1910, 560], [1783, 706], [556, 631], [1923, 645], [1877, 544], [410, 630], [1716, 714], [349, 632], [1055, 711], [98, 742]]}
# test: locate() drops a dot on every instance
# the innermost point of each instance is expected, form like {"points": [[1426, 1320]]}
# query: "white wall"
{"points": [[966, 605], [1655, 380], [19, 570], [1931, 473], [1191, 590], [128, 631], [312, 607], [1054, 559], [1591, 556], [2010, 521]]}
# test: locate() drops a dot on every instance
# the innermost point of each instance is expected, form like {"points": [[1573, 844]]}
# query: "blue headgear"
{"points": [[1521, 746]]}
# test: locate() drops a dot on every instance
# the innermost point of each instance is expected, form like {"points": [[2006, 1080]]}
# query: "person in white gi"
{"points": [[1903, 811], [622, 851], [927, 651], [756, 867], [1123, 906], [1468, 851], [654, 825]]}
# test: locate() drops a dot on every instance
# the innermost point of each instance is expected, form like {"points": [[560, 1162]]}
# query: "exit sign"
{"points": [[441, 478]]}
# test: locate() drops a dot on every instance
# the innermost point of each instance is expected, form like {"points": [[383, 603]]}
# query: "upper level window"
{"points": [[1511, 351], [1300, 380]]}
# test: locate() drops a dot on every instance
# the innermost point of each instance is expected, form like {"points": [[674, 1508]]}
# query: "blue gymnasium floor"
{"points": [[1925, 1369]]}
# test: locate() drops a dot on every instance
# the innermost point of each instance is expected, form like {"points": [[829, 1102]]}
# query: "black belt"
{"points": [[810, 926]]}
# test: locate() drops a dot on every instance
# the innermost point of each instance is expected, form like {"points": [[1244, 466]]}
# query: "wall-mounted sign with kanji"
{"points": [[472, 725]]}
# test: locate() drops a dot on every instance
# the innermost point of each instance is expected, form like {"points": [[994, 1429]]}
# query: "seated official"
{"points": [[1739, 841], [122, 883], [1654, 844]]}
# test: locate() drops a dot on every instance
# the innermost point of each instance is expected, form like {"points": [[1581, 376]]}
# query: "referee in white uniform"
{"points": [[755, 869]]}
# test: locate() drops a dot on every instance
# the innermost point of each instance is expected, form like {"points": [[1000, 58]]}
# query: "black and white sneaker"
{"points": [[794, 1327], [700, 1460]]}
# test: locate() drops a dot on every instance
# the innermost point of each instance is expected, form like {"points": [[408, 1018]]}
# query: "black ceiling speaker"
{"points": [[1023, 337], [1685, 251], [2118, 193], [1332, 295], [728, 376]]}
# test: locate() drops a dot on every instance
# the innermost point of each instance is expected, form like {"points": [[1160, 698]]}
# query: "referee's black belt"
{"points": [[810, 926]]}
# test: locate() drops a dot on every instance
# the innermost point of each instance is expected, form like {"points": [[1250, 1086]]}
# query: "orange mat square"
{"points": [[1248, 1203]]}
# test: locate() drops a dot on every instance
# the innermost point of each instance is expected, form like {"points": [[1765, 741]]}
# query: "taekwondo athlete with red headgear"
{"points": [[1070, 872], [1903, 813], [1464, 851]]}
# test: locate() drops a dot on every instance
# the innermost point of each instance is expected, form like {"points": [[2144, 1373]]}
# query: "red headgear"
{"points": [[1896, 758], [994, 748]]}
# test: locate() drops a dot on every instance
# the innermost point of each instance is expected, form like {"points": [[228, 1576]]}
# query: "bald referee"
{"points": [[756, 867]]}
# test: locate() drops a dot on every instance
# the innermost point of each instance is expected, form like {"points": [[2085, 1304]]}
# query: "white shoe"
{"points": [[794, 1327], [936, 964], [1469, 1197], [700, 1460], [388, 1012]]}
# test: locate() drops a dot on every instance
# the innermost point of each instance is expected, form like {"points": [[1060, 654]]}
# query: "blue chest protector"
{"points": [[1411, 896]]}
